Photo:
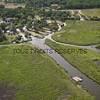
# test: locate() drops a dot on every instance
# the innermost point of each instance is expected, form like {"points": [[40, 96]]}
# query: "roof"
{"points": [[77, 79]]}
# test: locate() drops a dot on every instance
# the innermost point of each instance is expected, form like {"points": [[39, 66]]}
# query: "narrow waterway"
{"points": [[87, 83]]}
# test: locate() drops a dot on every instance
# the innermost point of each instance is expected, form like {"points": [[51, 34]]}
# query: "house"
{"points": [[9, 20]]}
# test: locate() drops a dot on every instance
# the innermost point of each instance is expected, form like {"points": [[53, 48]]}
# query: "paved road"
{"points": [[87, 83]]}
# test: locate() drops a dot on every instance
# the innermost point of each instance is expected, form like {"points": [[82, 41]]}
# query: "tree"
{"points": [[5, 1], [3, 27], [2, 36]]}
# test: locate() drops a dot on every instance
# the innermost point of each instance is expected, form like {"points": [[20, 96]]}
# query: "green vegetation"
{"points": [[66, 3], [83, 59], [4, 42], [79, 33], [91, 12], [13, 1], [2, 36], [98, 47], [36, 76], [34, 20], [62, 3]]}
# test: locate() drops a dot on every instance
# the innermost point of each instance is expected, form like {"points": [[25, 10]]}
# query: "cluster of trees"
{"points": [[62, 3], [58, 15], [2, 36], [19, 15], [2, 33], [26, 16], [38, 24], [73, 4]]}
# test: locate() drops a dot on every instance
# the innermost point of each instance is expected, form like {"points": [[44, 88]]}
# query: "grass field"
{"points": [[4, 42], [79, 33], [34, 76], [91, 12], [86, 61]]}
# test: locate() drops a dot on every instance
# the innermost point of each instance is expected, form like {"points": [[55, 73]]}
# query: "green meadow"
{"points": [[79, 33], [91, 12], [87, 61], [35, 76]]}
